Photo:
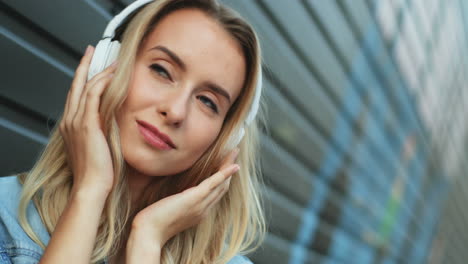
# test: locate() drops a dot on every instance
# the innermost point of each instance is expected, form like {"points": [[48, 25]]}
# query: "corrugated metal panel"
{"points": [[366, 111]]}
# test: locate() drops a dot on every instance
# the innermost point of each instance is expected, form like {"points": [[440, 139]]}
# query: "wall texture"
{"points": [[365, 108]]}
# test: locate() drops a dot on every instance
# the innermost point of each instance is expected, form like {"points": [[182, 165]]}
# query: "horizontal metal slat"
{"points": [[72, 29], [294, 79], [311, 42], [42, 83]]}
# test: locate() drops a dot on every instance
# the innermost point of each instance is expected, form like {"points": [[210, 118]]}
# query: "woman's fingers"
{"points": [[225, 171], [199, 199], [98, 82], [230, 158], [217, 194], [216, 188], [199, 194], [203, 190], [218, 184], [178, 212], [191, 205], [221, 176], [78, 84], [94, 97], [92, 82], [88, 151]]}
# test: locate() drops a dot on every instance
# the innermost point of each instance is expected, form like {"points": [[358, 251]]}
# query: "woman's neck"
{"points": [[137, 184]]}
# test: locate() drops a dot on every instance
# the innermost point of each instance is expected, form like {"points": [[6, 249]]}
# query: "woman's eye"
{"points": [[161, 71], [208, 102]]}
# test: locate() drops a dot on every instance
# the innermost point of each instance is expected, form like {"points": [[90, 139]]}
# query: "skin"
{"points": [[174, 106], [177, 100]]}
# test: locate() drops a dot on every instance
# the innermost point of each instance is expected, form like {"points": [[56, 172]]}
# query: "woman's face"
{"points": [[187, 74]]}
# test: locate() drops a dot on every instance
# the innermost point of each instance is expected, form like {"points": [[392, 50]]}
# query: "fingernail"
{"points": [[114, 63], [88, 49], [236, 168]]}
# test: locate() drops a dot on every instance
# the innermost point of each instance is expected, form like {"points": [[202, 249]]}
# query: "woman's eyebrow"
{"points": [[219, 90], [171, 54]]}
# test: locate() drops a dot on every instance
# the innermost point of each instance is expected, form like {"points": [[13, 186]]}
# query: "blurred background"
{"points": [[364, 154]]}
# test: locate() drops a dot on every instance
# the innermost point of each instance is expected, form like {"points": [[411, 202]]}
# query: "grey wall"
{"points": [[365, 110]]}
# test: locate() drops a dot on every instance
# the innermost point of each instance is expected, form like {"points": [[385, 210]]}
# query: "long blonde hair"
{"points": [[235, 225]]}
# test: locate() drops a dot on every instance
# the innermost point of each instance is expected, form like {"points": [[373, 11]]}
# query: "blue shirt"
{"points": [[15, 245]]}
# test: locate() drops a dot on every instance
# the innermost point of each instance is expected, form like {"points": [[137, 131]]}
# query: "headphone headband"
{"points": [[256, 100], [120, 18]]}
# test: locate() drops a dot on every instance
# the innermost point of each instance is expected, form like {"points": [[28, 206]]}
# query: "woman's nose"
{"points": [[173, 108]]}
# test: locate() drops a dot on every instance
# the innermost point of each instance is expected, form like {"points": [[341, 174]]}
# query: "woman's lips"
{"points": [[155, 138]]}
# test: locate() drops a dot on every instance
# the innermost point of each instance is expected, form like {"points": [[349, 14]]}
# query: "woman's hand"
{"points": [[91, 164], [88, 151], [157, 223]]}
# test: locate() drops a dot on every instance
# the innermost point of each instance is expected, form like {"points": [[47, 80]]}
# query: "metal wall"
{"points": [[365, 110]]}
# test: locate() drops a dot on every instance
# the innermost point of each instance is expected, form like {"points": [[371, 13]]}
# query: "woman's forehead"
{"points": [[192, 27]]}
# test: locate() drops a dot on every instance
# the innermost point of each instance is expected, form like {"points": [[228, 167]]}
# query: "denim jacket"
{"points": [[15, 245]]}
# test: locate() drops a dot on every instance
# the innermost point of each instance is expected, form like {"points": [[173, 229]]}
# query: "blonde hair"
{"points": [[236, 224]]}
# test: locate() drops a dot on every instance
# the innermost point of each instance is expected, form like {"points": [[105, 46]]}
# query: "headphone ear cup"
{"points": [[105, 53], [99, 54], [235, 138], [112, 53]]}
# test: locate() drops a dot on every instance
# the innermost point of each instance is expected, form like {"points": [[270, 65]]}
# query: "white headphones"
{"points": [[107, 50]]}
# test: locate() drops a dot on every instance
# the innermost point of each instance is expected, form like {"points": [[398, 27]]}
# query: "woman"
{"points": [[141, 168]]}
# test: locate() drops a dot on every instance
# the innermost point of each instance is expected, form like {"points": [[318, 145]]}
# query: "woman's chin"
{"points": [[136, 169]]}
